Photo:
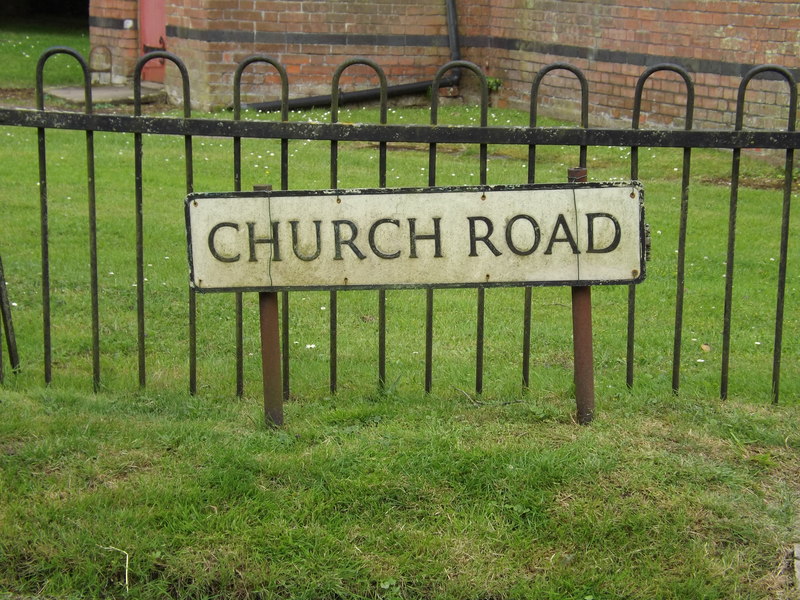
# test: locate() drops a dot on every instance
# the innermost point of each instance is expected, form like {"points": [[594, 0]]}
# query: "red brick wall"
{"points": [[613, 42], [309, 38], [107, 28]]}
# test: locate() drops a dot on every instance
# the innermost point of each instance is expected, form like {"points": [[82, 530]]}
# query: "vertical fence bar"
{"points": [[47, 340], [527, 301], [44, 218], [238, 300], [680, 283], [784, 243], [238, 304], [429, 299], [187, 145], [381, 340], [533, 113], [726, 318], [285, 295], [92, 208], [139, 226], [237, 182], [333, 333], [785, 211], [381, 183], [784, 249], [8, 325], [428, 340], [683, 222], [483, 153], [481, 292], [138, 160], [384, 110], [479, 338], [333, 300], [630, 338], [285, 344], [526, 336]]}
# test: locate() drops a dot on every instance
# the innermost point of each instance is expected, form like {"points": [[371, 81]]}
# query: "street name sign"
{"points": [[527, 235]]}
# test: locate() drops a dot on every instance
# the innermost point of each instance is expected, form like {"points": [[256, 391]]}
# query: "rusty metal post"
{"points": [[582, 336], [271, 371], [271, 358], [582, 347]]}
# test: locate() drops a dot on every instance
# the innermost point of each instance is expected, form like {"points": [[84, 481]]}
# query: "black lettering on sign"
{"points": [[510, 237], [374, 247], [435, 236], [561, 223], [590, 218], [253, 240], [296, 244], [212, 247], [474, 239], [338, 241]]}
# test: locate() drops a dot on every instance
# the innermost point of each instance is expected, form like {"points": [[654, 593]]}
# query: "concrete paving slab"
{"points": [[110, 94]]}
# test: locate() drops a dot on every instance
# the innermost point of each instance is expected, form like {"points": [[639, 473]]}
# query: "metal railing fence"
{"points": [[383, 134]]}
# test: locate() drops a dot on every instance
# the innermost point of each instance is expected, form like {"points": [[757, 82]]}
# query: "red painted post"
{"points": [[582, 336]]}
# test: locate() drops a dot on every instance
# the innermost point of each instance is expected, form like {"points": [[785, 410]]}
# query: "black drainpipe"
{"points": [[403, 89]]}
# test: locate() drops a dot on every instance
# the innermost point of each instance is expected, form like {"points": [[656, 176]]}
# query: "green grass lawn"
{"points": [[23, 41], [154, 493]]}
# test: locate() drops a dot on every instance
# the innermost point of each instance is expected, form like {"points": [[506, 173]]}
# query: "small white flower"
{"points": [[310, 346]]}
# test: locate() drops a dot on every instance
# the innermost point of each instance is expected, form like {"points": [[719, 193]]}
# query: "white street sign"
{"points": [[574, 234]]}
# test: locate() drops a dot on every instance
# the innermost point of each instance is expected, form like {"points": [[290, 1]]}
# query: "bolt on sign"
{"points": [[570, 234]]}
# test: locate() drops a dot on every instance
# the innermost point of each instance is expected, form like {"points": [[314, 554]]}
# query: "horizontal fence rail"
{"points": [[360, 132], [583, 138]]}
